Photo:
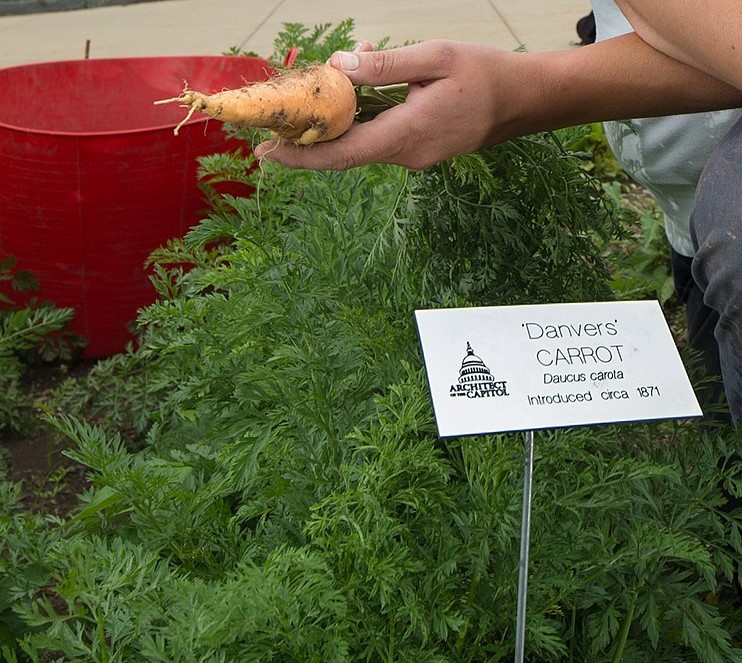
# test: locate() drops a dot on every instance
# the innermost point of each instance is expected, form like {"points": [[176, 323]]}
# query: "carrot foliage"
{"points": [[281, 495]]}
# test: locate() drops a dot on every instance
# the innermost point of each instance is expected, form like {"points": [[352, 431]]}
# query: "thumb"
{"points": [[407, 64]]}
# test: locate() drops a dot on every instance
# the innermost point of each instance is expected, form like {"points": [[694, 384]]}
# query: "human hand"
{"points": [[461, 98]]}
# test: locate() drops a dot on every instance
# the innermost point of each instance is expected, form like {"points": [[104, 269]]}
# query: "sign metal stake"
{"points": [[558, 366], [525, 541]]}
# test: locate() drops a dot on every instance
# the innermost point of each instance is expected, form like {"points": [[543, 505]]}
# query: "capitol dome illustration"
{"points": [[473, 370]]}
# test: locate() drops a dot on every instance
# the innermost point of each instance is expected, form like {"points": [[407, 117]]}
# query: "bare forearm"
{"points": [[618, 79], [706, 34]]}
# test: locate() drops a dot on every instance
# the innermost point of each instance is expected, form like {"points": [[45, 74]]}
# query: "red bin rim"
{"points": [[193, 121]]}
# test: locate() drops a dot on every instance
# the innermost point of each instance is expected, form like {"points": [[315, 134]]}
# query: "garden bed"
{"points": [[266, 481], [50, 482]]}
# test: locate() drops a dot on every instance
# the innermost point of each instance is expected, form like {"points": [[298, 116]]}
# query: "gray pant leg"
{"points": [[717, 267]]}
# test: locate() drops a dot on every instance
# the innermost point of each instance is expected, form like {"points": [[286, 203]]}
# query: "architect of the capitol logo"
{"points": [[476, 380]]}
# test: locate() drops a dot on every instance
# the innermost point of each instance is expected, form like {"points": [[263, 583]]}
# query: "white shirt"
{"points": [[667, 154]]}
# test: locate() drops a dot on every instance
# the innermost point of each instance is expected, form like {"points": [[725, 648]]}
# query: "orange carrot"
{"points": [[305, 106]]}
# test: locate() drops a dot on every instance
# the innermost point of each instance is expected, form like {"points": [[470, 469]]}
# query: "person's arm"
{"points": [[705, 35], [464, 97], [619, 79]]}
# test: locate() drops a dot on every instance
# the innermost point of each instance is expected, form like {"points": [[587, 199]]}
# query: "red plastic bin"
{"points": [[94, 179]]}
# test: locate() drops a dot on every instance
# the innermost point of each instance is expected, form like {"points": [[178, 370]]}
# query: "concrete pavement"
{"points": [[207, 27]]}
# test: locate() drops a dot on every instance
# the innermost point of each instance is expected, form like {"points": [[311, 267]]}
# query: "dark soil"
{"points": [[51, 482]]}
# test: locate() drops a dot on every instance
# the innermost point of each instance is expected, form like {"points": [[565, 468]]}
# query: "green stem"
{"points": [[374, 100], [390, 648], [625, 627], [571, 635], [473, 589], [101, 636]]}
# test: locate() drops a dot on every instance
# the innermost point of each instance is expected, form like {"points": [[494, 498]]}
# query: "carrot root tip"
{"points": [[188, 116]]}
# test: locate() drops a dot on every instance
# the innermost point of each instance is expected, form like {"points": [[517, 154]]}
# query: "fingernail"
{"points": [[357, 48], [349, 61]]}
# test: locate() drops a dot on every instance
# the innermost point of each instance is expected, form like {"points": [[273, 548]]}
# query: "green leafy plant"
{"points": [[25, 540], [315, 44], [281, 493], [291, 499], [515, 224], [24, 330], [590, 141], [644, 268]]}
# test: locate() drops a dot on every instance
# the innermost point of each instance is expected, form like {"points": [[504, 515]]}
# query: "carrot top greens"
{"points": [[266, 479]]}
